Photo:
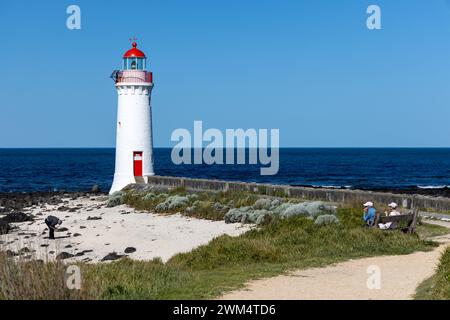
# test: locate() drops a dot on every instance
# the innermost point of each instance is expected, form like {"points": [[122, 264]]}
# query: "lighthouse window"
{"points": [[140, 64]]}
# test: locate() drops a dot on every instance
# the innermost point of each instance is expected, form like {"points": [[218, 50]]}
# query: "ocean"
{"points": [[26, 170]]}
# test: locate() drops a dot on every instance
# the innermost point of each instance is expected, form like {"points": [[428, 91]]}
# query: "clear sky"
{"points": [[310, 68]]}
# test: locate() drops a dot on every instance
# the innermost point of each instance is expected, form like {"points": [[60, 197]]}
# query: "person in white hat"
{"points": [[369, 213], [392, 212]]}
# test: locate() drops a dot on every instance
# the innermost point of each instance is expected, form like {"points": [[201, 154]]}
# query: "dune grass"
{"points": [[437, 287], [36, 280], [224, 264]]}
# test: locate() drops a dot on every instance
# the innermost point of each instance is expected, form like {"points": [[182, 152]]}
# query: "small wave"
{"points": [[433, 187], [332, 187]]}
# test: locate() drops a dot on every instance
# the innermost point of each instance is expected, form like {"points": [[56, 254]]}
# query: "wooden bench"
{"points": [[407, 222]]}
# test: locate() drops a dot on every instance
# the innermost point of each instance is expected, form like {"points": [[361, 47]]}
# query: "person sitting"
{"points": [[52, 223], [369, 214], [392, 212]]}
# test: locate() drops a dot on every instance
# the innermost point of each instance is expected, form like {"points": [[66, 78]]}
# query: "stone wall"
{"points": [[333, 195]]}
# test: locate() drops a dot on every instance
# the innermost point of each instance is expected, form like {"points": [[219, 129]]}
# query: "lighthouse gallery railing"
{"points": [[134, 76]]}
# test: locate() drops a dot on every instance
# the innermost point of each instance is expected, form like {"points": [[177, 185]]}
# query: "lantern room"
{"points": [[134, 59]]}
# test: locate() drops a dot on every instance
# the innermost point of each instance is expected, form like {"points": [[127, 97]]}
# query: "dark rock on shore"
{"points": [[82, 253], [130, 250], [16, 216], [94, 218], [4, 228], [10, 201], [112, 256], [64, 255], [10, 253], [13, 217]]}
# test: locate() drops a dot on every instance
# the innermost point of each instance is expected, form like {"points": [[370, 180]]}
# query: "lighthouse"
{"points": [[134, 145]]}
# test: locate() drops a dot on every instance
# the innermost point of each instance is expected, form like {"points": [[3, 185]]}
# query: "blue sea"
{"points": [[355, 168]]}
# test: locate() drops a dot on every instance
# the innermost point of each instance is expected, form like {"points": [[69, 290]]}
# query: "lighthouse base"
{"points": [[122, 180]]}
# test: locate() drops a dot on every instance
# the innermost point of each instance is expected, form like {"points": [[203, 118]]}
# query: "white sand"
{"points": [[153, 235]]}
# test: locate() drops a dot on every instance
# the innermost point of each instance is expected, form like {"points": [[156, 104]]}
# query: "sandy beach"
{"points": [[91, 231]]}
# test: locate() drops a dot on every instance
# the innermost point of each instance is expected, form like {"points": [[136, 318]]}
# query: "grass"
{"points": [[20, 279], [228, 262], [428, 230], [437, 287], [223, 264]]}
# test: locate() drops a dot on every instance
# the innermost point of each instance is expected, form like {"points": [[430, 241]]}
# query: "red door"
{"points": [[137, 159]]}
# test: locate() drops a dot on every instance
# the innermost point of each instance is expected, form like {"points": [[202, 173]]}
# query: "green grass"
{"points": [[228, 262], [223, 264], [428, 230], [437, 287]]}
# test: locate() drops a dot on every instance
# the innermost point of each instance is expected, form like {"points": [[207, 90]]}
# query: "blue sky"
{"points": [[310, 68]]}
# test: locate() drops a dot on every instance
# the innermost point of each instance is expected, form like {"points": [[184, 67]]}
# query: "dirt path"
{"points": [[399, 278]]}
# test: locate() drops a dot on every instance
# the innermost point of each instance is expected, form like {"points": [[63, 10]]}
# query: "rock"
{"points": [[24, 250], [44, 245], [94, 218], [10, 253], [68, 246], [82, 227], [112, 256], [4, 227], [15, 217], [76, 234], [82, 253], [61, 229], [64, 255], [129, 250]]}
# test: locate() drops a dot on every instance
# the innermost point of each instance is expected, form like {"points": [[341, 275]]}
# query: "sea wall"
{"points": [[332, 195]]}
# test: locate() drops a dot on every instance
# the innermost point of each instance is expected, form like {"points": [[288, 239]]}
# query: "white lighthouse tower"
{"points": [[134, 145]]}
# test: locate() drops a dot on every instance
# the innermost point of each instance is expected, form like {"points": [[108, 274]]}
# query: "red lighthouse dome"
{"points": [[134, 52]]}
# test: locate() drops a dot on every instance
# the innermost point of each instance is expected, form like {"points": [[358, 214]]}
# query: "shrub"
{"points": [[263, 203], [174, 202], [116, 199], [326, 219]]}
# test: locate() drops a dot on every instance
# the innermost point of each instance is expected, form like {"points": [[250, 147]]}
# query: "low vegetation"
{"points": [[437, 287], [224, 264], [37, 280], [231, 206]]}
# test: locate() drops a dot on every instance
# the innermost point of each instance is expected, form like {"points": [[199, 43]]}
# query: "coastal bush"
{"points": [[326, 219], [308, 208], [116, 199], [263, 203], [246, 215], [174, 202], [265, 210]]}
